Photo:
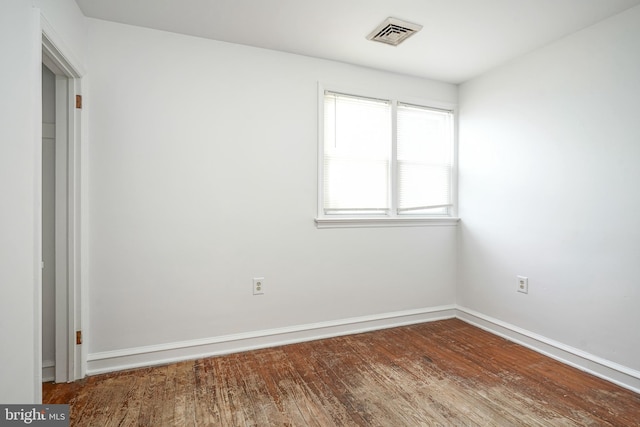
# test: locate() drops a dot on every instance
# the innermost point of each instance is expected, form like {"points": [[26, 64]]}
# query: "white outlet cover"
{"points": [[258, 285], [523, 284]]}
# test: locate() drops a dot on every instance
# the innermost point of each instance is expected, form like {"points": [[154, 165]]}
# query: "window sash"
{"points": [[357, 157], [424, 140]]}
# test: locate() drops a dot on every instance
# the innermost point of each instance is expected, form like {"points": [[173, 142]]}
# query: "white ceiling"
{"points": [[460, 39]]}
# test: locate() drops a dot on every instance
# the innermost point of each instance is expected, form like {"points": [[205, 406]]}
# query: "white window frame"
{"points": [[392, 218]]}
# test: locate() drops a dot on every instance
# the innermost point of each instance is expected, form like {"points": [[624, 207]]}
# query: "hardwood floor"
{"points": [[444, 373]]}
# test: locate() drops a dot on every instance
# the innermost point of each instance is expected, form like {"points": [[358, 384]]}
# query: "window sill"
{"points": [[385, 222]]}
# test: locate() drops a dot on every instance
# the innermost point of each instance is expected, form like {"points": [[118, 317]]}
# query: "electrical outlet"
{"points": [[258, 285], [523, 284]]}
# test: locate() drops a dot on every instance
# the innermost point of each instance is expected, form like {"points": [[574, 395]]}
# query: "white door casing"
{"points": [[70, 358]]}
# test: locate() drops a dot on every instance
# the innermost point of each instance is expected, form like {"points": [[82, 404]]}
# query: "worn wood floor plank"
{"points": [[446, 386], [255, 407], [318, 387], [311, 364], [207, 412], [126, 414], [444, 373], [187, 401], [273, 368], [419, 392]]}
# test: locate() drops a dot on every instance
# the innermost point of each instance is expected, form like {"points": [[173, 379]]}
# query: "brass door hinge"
{"points": [[78, 337], [79, 101]]}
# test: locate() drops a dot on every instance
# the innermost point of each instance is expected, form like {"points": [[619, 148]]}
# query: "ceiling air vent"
{"points": [[393, 31]]}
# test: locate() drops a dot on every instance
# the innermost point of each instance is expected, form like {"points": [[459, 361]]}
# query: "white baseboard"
{"points": [[48, 371], [602, 368], [109, 361], [129, 358]]}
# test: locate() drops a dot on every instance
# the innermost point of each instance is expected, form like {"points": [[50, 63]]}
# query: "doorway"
{"points": [[48, 225], [61, 314], [56, 336]]}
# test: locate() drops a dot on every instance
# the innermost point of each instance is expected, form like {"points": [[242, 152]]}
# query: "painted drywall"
{"points": [[549, 149], [19, 183], [203, 175]]}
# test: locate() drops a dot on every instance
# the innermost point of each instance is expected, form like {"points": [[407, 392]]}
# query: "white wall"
{"points": [[549, 174], [203, 176], [19, 183]]}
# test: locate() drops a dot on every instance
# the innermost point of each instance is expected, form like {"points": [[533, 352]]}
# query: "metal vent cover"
{"points": [[393, 31]]}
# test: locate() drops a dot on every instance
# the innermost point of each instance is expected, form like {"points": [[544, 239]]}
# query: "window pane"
{"points": [[425, 145], [357, 151]]}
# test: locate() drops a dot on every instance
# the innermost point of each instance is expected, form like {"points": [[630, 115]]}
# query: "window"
{"points": [[383, 160]]}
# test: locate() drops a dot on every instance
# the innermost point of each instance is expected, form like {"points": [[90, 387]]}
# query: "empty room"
{"points": [[290, 212]]}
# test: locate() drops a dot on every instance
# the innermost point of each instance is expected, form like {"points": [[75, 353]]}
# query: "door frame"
{"points": [[70, 357]]}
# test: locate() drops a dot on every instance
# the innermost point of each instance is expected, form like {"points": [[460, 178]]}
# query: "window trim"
{"points": [[392, 218], [374, 222]]}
